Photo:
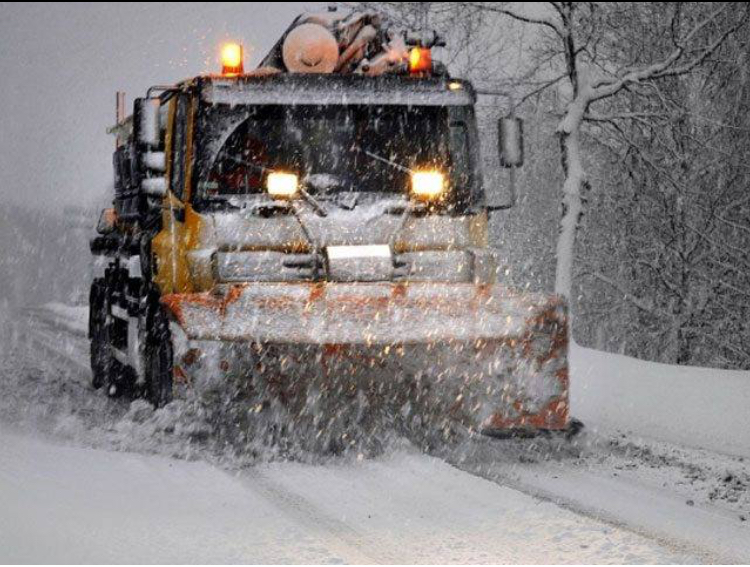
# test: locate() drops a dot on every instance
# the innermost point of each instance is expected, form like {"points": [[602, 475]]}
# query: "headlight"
{"points": [[282, 185], [428, 185]]}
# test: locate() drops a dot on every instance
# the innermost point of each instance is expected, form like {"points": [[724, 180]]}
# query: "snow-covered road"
{"points": [[62, 504], [79, 482]]}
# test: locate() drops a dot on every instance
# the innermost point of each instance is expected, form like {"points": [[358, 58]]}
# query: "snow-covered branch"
{"points": [[492, 7], [605, 88], [641, 304]]}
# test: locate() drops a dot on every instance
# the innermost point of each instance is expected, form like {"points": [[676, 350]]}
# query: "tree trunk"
{"points": [[572, 200]]}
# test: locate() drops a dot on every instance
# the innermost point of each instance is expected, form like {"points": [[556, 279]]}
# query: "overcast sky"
{"points": [[61, 64]]}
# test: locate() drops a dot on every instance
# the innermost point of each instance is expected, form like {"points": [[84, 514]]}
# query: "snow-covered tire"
{"points": [[159, 361], [102, 360]]}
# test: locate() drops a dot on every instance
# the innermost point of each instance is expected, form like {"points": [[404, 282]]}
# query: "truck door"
{"points": [[171, 243]]}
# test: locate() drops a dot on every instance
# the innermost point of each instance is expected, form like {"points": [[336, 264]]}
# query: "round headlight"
{"points": [[282, 185], [428, 185]]}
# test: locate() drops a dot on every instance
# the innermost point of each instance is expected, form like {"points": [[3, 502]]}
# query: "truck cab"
{"points": [[257, 177]]}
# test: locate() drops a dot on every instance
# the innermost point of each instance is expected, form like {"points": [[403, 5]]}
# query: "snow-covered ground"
{"points": [[62, 504], [696, 407], [72, 318], [637, 486]]}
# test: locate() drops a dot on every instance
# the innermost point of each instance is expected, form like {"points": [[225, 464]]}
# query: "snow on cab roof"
{"points": [[336, 89]]}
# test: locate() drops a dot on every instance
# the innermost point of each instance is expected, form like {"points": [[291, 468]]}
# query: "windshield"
{"points": [[333, 149]]}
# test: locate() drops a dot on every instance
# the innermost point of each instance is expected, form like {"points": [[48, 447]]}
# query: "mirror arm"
{"points": [[508, 95], [497, 208], [513, 192]]}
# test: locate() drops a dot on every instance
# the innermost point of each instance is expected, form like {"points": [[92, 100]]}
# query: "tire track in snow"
{"points": [[419, 509], [337, 535], [48, 333]]}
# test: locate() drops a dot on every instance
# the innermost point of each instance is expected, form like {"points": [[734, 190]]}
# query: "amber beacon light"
{"points": [[420, 60], [232, 59]]}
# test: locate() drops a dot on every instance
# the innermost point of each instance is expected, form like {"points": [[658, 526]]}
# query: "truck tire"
{"points": [[159, 361], [102, 361]]}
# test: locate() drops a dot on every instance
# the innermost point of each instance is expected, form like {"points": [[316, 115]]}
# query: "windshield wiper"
{"points": [[317, 207], [217, 201], [381, 159]]}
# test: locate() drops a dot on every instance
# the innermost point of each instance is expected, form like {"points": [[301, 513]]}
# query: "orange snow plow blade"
{"points": [[475, 356]]}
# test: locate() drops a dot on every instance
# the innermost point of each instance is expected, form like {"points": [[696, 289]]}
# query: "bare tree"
{"points": [[669, 238], [587, 37]]}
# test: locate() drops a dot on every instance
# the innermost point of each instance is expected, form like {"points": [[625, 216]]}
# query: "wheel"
{"points": [[574, 428], [102, 360], [105, 369], [159, 361]]}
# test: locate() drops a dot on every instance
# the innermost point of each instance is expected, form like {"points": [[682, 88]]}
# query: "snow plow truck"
{"points": [[309, 240]]}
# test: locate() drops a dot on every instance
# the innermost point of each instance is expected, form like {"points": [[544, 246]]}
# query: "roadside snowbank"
{"points": [[697, 407]]}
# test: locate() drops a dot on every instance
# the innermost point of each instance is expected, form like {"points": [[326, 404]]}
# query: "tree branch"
{"points": [[541, 89], [636, 301], [518, 17], [606, 88]]}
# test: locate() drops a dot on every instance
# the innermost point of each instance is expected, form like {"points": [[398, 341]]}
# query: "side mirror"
{"points": [[149, 129], [152, 160], [511, 153], [510, 132]]}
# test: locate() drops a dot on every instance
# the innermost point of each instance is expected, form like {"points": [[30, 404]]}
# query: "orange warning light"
{"points": [[232, 59], [420, 60]]}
